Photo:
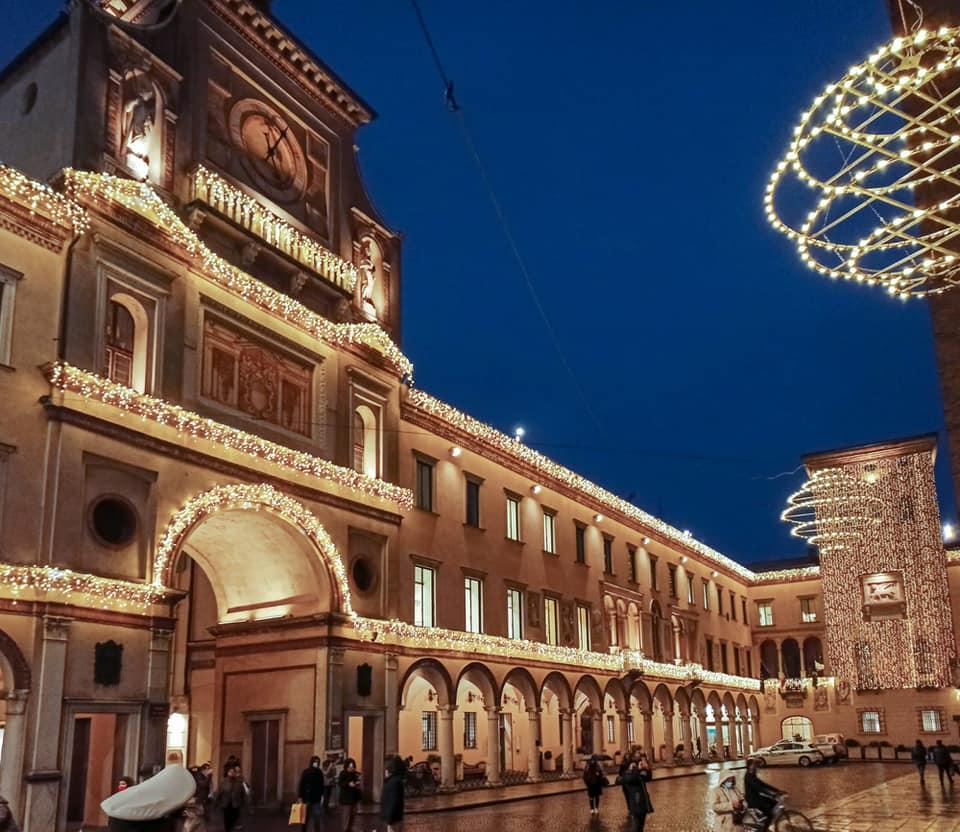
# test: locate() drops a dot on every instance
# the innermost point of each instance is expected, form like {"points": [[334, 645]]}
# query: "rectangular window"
{"points": [[736, 660], [808, 610], [608, 555], [733, 606], [765, 613], [469, 729], [871, 722], [719, 600], [931, 721], [632, 563], [428, 730], [473, 604], [749, 663], [424, 485], [706, 594], [473, 502], [583, 626], [551, 621], [672, 575], [549, 532], [709, 654], [8, 288], [690, 599], [653, 573], [513, 517], [743, 609], [611, 730], [723, 658], [423, 597], [581, 532], [514, 613]]}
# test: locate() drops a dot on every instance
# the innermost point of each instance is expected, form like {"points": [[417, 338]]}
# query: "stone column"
{"points": [[756, 731], [597, 732], [614, 630], [686, 735], [624, 731], [533, 749], [44, 781], [335, 726], [14, 737], [448, 768], [493, 745], [668, 740], [391, 728], [648, 735], [704, 743], [677, 658], [740, 742], [569, 745], [780, 671], [158, 677]]}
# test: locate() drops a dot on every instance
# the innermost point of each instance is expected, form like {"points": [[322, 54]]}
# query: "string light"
{"points": [[248, 213], [862, 149], [65, 377], [141, 198], [19, 580], [42, 199]]}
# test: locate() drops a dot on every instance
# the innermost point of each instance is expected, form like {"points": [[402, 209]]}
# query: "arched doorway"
{"points": [[798, 728]]}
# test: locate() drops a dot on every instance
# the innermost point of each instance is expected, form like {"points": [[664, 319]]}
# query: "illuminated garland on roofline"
{"points": [[142, 199], [66, 377], [42, 199], [105, 592]]}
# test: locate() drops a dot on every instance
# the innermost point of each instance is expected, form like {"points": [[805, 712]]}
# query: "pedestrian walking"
{"points": [[231, 797], [391, 799], [919, 757], [350, 783], [329, 770], [639, 804], [943, 760], [624, 766], [728, 804], [310, 793], [595, 779]]}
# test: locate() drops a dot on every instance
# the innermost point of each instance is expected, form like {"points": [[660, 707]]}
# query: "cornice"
{"points": [[32, 226]]}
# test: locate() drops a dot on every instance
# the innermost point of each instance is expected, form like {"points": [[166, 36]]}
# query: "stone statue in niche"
{"points": [[138, 120], [367, 277], [820, 698], [107, 663]]}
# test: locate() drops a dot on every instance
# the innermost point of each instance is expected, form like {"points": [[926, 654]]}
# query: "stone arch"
{"points": [[520, 678], [614, 689], [298, 528], [480, 676], [640, 694], [433, 673], [790, 653], [13, 665], [754, 707], [729, 706], [588, 686], [682, 700], [713, 700], [769, 660], [812, 654], [558, 685], [698, 701], [664, 698]]}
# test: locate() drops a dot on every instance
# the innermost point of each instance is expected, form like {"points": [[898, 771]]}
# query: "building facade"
{"points": [[231, 524]]}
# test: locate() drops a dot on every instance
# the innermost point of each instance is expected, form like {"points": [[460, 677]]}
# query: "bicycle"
{"points": [[781, 819]]}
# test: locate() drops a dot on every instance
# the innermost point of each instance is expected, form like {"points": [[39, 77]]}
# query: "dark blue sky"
{"points": [[629, 144]]}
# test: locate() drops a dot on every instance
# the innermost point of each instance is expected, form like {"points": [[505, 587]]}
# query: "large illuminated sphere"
{"points": [[869, 189]]}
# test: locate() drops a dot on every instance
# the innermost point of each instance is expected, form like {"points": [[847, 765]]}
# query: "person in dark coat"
{"points": [[350, 792], [759, 795], [231, 797], [595, 779], [639, 805], [310, 792], [943, 760], [391, 798], [919, 757]]}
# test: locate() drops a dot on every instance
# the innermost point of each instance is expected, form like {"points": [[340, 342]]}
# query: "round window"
{"points": [[113, 520], [363, 574]]}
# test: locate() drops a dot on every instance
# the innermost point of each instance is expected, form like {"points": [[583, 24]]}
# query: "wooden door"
{"points": [[77, 790], [264, 761]]}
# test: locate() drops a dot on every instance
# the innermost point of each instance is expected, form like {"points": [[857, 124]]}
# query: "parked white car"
{"points": [[789, 753]]}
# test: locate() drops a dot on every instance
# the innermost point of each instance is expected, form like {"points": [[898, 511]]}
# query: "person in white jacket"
{"points": [[727, 800]]}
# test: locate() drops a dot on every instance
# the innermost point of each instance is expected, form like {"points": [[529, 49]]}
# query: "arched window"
{"points": [[127, 344], [790, 651], [812, 656], [657, 631], [365, 445], [769, 660], [798, 728]]}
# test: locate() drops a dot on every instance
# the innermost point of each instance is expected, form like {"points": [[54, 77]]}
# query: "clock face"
{"points": [[270, 153]]}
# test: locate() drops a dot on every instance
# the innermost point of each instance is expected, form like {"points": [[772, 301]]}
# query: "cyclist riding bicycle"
{"points": [[759, 795]]}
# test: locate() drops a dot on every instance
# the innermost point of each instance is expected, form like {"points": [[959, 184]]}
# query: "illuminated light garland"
{"points": [[21, 579], [776, 576], [42, 199], [66, 377], [141, 198], [248, 213], [831, 510], [862, 149], [522, 453]]}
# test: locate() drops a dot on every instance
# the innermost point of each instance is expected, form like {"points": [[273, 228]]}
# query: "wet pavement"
{"points": [[681, 805]]}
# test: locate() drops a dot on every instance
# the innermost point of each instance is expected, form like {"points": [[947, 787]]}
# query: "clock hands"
{"points": [[272, 148]]}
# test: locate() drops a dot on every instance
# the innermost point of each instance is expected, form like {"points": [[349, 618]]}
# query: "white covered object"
{"points": [[161, 794]]}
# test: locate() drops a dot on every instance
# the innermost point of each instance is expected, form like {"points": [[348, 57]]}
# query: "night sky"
{"points": [[629, 144]]}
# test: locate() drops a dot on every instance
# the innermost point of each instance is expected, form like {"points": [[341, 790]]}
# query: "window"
{"points": [[428, 730], [469, 729], [765, 613], [473, 604], [931, 721], [709, 654], [808, 610], [749, 663], [797, 728], [611, 730], [119, 357], [719, 600], [514, 613], [608, 555], [424, 485], [8, 288], [723, 657], [632, 563], [473, 502], [549, 532], [690, 599], [583, 626], [672, 574], [551, 620], [736, 660], [706, 594], [423, 597], [366, 432], [513, 517], [653, 573], [581, 532], [743, 609], [733, 606], [871, 722]]}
